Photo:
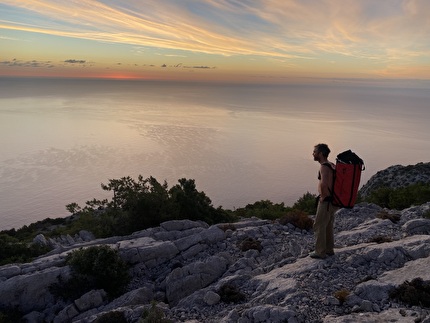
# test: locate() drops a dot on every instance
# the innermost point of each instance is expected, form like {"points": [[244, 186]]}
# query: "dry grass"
{"points": [[385, 215], [250, 243], [297, 218], [380, 239], [341, 295]]}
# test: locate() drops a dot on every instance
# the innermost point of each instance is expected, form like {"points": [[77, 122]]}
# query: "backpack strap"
{"points": [[325, 164]]}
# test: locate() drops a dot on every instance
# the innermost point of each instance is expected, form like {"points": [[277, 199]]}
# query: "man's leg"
{"points": [[320, 228], [330, 234], [330, 230]]}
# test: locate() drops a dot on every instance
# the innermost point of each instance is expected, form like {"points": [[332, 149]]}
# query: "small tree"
{"points": [[194, 205], [307, 203], [99, 267]]}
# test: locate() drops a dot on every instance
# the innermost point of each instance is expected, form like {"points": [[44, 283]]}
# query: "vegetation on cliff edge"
{"points": [[144, 203]]}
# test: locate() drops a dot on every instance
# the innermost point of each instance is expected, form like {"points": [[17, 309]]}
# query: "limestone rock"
{"points": [[180, 225], [9, 271], [183, 281], [417, 226], [189, 264], [269, 313], [211, 298], [30, 292], [41, 240], [391, 315], [397, 176], [67, 314], [86, 235], [90, 300], [147, 250]]}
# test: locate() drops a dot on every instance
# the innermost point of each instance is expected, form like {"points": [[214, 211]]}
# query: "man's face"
{"points": [[317, 155]]}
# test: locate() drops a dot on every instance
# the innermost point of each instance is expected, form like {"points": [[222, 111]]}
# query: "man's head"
{"points": [[321, 150]]}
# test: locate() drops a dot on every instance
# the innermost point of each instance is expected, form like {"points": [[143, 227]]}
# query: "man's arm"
{"points": [[326, 174]]}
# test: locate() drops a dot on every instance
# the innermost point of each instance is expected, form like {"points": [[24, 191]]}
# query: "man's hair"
{"points": [[323, 148]]}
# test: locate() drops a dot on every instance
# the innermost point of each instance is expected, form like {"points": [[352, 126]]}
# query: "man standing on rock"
{"points": [[324, 220]]}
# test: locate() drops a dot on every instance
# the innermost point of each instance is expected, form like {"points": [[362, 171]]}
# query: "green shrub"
{"points": [[380, 197], [153, 315], [297, 218], [10, 316], [99, 267], [12, 250], [263, 209], [144, 203], [400, 198], [307, 203], [71, 289], [28, 232], [415, 293], [229, 293], [111, 317], [268, 210]]}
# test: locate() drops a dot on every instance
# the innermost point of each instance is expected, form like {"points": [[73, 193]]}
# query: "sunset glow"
{"points": [[254, 41]]}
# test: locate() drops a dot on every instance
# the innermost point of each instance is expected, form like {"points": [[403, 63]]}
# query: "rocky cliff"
{"points": [[397, 176], [251, 271], [185, 266]]}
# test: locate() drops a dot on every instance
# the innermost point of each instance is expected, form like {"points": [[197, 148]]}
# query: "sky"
{"points": [[216, 40]]}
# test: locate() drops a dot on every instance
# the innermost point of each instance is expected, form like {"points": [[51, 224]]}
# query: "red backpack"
{"points": [[346, 179]]}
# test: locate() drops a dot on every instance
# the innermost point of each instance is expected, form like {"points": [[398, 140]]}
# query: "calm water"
{"points": [[60, 139]]}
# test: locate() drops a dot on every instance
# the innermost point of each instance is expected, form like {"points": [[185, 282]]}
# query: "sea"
{"points": [[60, 139]]}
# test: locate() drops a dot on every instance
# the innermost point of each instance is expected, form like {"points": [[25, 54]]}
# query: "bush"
{"points": [[250, 243], [297, 218], [144, 203], [268, 210], [229, 293], [380, 197], [415, 293], [307, 203], [28, 232], [71, 289], [400, 198], [380, 239], [12, 250], [153, 315], [342, 295], [10, 316], [263, 209], [111, 317], [99, 267]]}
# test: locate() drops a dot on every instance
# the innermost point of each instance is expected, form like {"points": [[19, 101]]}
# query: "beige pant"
{"points": [[323, 228]]}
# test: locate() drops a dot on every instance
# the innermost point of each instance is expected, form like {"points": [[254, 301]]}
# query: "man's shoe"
{"points": [[316, 256]]}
